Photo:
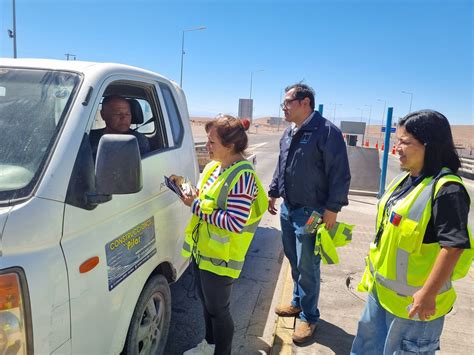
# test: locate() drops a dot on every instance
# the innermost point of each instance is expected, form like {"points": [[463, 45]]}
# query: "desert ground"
{"points": [[463, 134]]}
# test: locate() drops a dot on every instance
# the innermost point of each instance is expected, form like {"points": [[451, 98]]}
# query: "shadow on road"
{"points": [[250, 304]]}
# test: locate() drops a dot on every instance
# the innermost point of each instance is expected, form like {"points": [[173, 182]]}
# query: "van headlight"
{"points": [[15, 322]]}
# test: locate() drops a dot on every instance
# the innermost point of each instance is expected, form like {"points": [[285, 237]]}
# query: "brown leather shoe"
{"points": [[304, 332], [287, 311]]}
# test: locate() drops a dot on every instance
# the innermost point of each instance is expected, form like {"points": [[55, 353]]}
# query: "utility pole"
{"points": [[12, 33], [279, 111], [251, 80], [370, 115], [383, 116], [411, 98], [334, 115], [182, 51]]}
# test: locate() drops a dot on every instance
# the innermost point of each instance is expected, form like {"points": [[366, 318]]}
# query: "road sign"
{"points": [[392, 129]]}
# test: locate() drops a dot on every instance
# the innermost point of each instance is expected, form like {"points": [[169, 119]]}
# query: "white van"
{"points": [[88, 244]]}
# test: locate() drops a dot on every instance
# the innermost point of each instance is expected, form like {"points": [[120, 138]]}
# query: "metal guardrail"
{"points": [[467, 167], [203, 155]]}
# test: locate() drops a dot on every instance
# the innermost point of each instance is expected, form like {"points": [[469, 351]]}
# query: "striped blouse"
{"points": [[239, 201]]}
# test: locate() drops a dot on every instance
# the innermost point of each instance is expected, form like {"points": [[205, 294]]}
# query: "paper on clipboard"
{"points": [[173, 187]]}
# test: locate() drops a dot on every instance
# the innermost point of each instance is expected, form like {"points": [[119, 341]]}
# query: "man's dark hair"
{"points": [[302, 91], [432, 129], [109, 98]]}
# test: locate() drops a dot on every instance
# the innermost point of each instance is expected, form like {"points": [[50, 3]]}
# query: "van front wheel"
{"points": [[151, 319]]}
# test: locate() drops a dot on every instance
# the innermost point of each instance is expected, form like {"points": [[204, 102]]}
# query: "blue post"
{"points": [[388, 126], [320, 109]]}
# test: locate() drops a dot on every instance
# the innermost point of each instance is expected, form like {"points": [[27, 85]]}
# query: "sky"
{"points": [[358, 55]]}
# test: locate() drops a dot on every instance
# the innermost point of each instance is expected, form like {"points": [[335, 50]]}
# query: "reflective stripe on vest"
{"points": [[346, 231], [251, 228], [222, 198], [232, 264], [418, 207], [400, 285], [391, 186], [327, 240], [326, 258]]}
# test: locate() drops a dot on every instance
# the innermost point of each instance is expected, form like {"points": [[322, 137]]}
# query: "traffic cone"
{"points": [[382, 147], [394, 150]]}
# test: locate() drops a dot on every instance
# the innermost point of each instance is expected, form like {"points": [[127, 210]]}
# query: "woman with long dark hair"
{"points": [[422, 243]]}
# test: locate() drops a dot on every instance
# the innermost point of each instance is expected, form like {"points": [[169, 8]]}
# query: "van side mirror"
{"points": [[118, 168]]}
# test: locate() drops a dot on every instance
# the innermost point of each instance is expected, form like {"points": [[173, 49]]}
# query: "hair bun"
{"points": [[245, 123]]}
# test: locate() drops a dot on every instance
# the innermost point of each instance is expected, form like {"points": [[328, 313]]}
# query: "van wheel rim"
{"points": [[149, 330]]}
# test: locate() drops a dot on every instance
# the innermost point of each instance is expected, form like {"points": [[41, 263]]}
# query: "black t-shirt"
{"points": [[449, 216]]}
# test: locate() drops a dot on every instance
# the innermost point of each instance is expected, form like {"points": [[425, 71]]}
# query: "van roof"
{"points": [[74, 66]]}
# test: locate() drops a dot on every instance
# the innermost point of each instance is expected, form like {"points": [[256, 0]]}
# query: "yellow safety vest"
{"points": [[215, 249], [328, 240], [400, 264]]}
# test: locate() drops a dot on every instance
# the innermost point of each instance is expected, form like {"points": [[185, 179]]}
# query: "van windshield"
{"points": [[33, 104]]}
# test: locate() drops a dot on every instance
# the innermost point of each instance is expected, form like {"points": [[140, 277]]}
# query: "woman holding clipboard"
{"points": [[227, 207]]}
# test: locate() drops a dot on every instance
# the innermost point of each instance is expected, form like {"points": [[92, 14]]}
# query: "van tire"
{"points": [[150, 322]]}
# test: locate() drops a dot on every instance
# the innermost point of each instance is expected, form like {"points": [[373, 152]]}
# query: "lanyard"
{"points": [[392, 200]]}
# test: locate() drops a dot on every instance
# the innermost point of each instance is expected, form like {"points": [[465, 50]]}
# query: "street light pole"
{"points": [[370, 115], [12, 33], [361, 110], [279, 111], [334, 115], [182, 50], [383, 115], [411, 98], [251, 78]]}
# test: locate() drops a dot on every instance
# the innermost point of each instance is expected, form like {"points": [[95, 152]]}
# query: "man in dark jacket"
{"points": [[312, 175]]}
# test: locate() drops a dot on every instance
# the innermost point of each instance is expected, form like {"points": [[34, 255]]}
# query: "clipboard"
{"points": [[313, 222], [173, 187]]}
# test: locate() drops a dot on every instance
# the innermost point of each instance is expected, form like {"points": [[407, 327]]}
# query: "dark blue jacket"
{"points": [[313, 168]]}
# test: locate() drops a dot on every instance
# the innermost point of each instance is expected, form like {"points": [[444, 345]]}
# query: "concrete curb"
{"points": [[282, 339], [280, 291], [363, 193]]}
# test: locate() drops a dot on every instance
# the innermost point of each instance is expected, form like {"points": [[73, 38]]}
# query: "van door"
{"points": [[129, 235]]}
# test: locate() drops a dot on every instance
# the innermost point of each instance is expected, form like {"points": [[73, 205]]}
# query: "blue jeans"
{"points": [[305, 266], [380, 332]]}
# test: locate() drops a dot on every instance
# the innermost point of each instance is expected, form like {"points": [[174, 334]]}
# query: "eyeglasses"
{"points": [[287, 102]]}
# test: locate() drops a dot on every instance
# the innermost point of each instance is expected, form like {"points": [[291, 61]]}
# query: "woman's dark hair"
{"points": [[230, 130], [432, 130]]}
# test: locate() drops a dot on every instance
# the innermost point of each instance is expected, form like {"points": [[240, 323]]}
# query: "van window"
{"points": [[33, 104], [146, 122], [173, 114]]}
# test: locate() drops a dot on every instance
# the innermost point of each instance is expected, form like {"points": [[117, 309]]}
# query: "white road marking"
{"points": [[258, 145]]}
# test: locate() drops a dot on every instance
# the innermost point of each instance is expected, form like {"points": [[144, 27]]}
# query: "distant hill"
{"points": [[463, 134]]}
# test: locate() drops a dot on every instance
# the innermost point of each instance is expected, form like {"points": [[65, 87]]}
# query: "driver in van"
{"points": [[117, 115]]}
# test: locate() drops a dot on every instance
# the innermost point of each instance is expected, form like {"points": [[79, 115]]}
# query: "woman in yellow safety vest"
{"points": [[422, 243], [227, 208]]}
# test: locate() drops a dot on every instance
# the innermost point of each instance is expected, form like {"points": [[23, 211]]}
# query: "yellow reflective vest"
{"points": [[400, 263], [215, 249], [328, 240]]}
